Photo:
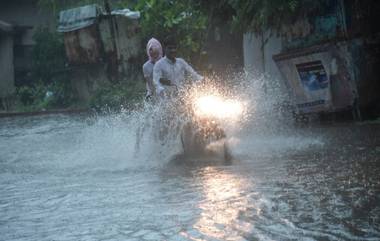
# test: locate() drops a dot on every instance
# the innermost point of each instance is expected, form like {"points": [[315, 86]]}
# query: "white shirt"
{"points": [[173, 71], [148, 75]]}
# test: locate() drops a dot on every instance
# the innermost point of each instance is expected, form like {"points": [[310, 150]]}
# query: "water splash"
{"points": [[149, 136], [151, 133]]}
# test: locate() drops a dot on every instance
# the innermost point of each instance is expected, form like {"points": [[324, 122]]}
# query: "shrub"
{"points": [[116, 96]]}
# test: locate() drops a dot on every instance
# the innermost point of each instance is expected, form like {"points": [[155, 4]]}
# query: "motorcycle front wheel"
{"points": [[195, 141]]}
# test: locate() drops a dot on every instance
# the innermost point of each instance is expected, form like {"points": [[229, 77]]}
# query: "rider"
{"points": [[154, 52], [172, 68]]}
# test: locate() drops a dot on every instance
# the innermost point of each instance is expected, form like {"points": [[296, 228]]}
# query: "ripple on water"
{"points": [[71, 179]]}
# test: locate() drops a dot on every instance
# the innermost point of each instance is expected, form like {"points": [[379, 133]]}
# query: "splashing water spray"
{"points": [[247, 108]]}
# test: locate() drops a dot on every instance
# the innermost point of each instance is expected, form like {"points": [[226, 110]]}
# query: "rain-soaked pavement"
{"points": [[71, 178]]}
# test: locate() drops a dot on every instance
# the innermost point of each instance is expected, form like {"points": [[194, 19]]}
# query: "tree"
{"points": [[181, 18], [261, 15]]}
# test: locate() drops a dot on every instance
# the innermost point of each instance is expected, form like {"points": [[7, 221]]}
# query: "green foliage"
{"points": [[49, 59], [116, 95], [261, 15], [48, 55], [28, 95], [183, 19], [50, 86], [57, 5], [40, 96]]}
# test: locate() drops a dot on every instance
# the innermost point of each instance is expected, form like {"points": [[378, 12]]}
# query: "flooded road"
{"points": [[75, 178]]}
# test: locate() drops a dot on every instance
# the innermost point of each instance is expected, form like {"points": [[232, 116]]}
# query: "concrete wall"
{"points": [[6, 66], [128, 45], [224, 54], [25, 18], [25, 13], [258, 59]]}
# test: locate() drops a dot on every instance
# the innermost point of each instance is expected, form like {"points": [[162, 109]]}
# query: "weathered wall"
{"points": [[128, 45], [104, 51], [259, 59], [121, 45], [338, 91], [85, 80], [6, 66], [26, 17], [83, 46], [224, 52], [25, 13]]}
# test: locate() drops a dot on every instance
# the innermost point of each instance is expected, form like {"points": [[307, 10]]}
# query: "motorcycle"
{"points": [[202, 133]]}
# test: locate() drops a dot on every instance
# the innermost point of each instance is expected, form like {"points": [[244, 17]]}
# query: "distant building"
{"points": [[19, 19], [328, 61], [6, 63]]}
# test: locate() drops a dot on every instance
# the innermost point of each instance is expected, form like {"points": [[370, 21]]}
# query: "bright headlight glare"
{"points": [[217, 107]]}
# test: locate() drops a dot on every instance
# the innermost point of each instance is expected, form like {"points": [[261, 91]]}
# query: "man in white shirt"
{"points": [[172, 69]]}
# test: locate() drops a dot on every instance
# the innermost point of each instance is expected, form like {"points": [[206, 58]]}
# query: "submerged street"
{"points": [[77, 178], [227, 120]]}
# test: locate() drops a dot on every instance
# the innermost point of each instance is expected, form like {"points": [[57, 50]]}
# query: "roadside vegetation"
{"points": [[47, 85]]}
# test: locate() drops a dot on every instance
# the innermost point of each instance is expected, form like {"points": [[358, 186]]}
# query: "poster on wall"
{"points": [[313, 76], [319, 78], [315, 83]]}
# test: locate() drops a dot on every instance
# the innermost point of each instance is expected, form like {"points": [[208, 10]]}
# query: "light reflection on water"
{"points": [[224, 199], [67, 178]]}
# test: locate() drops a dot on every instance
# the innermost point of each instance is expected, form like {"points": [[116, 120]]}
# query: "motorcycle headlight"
{"points": [[212, 106]]}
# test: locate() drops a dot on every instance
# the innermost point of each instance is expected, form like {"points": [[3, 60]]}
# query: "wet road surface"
{"points": [[67, 178]]}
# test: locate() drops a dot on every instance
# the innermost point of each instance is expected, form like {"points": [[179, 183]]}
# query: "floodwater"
{"points": [[84, 178], [68, 178]]}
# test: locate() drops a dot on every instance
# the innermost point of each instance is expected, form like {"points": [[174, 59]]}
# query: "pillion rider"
{"points": [[154, 52]]}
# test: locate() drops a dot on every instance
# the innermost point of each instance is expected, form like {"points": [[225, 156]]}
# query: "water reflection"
{"points": [[79, 182], [225, 199]]}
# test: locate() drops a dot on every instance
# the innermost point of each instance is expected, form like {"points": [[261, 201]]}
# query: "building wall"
{"points": [[6, 66], [346, 22], [320, 77], [258, 60], [25, 13], [25, 17], [224, 52]]}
